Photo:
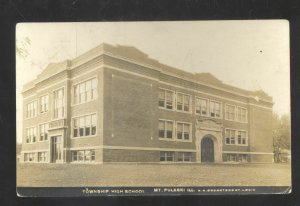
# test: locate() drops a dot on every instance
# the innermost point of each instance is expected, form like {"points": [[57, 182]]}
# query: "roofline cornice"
{"points": [[186, 79], [149, 66]]}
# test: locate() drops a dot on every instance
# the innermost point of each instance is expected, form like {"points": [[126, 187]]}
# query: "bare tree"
{"points": [[21, 48], [281, 135]]}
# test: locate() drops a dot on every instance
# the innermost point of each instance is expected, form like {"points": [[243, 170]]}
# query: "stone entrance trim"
{"points": [[212, 128]]}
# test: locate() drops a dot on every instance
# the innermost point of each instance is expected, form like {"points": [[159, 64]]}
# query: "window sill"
{"points": [[201, 115], [174, 140], [30, 142], [57, 118], [82, 137], [167, 161], [83, 162], [46, 141], [242, 145], [166, 139], [41, 113], [215, 117], [183, 162], [182, 140], [163, 108], [189, 112], [207, 116], [236, 121], [77, 104]]}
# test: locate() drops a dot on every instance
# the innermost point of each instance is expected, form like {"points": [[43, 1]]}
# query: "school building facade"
{"points": [[116, 104]]}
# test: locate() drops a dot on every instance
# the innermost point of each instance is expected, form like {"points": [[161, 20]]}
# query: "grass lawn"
{"points": [[75, 175]]}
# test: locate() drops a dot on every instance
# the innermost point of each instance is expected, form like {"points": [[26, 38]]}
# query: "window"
{"points": [[93, 155], [201, 106], [59, 110], [231, 157], [215, 109], [237, 137], [184, 157], [183, 102], [166, 156], [242, 157], [230, 112], [165, 99], [31, 135], [44, 132], [44, 104], [230, 136], [236, 113], [165, 129], [42, 156], [242, 139], [83, 156], [84, 125], [29, 157], [31, 109], [85, 91], [236, 158], [183, 131], [241, 114]]}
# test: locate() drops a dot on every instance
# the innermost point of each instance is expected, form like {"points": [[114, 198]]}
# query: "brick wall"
{"points": [[130, 156], [260, 130], [117, 155], [264, 158], [128, 110]]}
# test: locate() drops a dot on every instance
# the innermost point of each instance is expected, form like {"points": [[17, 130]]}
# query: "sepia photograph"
{"points": [[153, 108]]}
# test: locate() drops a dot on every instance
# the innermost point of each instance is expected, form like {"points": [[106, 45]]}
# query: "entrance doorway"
{"points": [[56, 149], [207, 150]]}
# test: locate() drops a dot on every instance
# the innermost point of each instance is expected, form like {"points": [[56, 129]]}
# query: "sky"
{"points": [[252, 55]]}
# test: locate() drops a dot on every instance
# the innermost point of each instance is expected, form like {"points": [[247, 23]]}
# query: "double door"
{"points": [[56, 149], [207, 150]]}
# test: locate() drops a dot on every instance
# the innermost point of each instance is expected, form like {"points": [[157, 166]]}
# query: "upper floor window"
{"points": [[183, 131], [183, 102], [235, 113], [31, 109], [84, 125], [31, 135], [215, 109], [44, 104], [235, 137], [59, 109], [230, 136], [242, 137], [241, 114], [165, 99], [165, 129], [201, 106], [44, 132], [230, 112], [85, 91]]}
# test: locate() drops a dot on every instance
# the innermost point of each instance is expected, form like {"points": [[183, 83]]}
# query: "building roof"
{"points": [[134, 54], [207, 78]]}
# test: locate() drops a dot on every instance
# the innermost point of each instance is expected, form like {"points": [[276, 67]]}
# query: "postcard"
{"points": [[153, 108]]}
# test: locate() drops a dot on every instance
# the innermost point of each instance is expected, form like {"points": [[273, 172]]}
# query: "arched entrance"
{"points": [[207, 150]]}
